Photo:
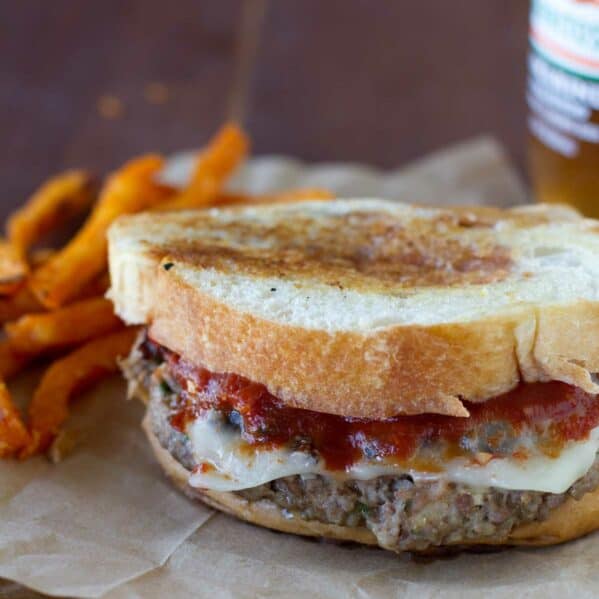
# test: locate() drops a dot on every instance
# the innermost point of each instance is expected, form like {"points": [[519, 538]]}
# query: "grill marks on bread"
{"points": [[369, 251]]}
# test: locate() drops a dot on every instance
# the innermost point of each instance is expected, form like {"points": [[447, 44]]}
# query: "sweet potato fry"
{"points": [[39, 257], [291, 195], [67, 377], [130, 189], [11, 362], [13, 434], [22, 302], [58, 200], [13, 268], [191, 198], [96, 287], [223, 154], [227, 149], [34, 334]]}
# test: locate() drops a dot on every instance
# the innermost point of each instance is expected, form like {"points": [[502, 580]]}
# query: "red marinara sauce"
{"points": [[553, 412]]}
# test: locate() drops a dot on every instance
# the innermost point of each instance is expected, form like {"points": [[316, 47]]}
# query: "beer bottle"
{"points": [[563, 101]]}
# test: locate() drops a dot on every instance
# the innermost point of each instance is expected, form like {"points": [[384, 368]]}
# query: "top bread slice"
{"points": [[368, 308]]}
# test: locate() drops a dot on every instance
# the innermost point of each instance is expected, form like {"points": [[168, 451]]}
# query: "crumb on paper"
{"points": [[63, 445], [110, 107], [156, 92]]}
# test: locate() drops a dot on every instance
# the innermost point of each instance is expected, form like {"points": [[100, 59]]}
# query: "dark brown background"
{"points": [[378, 81]]}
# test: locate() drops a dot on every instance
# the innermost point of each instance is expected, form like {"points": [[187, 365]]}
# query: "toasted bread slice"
{"points": [[368, 308]]}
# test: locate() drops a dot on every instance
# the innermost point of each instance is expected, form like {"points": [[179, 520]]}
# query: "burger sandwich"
{"points": [[363, 370]]}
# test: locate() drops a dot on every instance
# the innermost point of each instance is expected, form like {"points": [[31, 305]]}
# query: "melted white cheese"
{"points": [[236, 465]]}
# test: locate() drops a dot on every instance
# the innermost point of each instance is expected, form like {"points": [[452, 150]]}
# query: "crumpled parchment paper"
{"points": [[105, 522]]}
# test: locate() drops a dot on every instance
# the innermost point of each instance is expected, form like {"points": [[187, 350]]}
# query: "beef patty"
{"points": [[403, 514]]}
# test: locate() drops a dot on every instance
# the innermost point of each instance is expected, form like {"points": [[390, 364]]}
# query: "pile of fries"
{"points": [[52, 302]]}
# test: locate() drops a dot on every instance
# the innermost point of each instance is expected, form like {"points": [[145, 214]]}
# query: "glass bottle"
{"points": [[563, 100]]}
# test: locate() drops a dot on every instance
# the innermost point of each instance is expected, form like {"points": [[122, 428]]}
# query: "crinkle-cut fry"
{"points": [[13, 434], [281, 197], [130, 189], [13, 268], [35, 334], [11, 361], [68, 377], [225, 151], [55, 202]]}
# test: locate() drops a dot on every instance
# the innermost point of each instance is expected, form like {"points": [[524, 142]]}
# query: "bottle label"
{"points": [[563, 73], [566, 32]]}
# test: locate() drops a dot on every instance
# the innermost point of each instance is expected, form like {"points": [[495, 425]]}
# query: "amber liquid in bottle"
{"points": [[563, 99], [560, 179]]}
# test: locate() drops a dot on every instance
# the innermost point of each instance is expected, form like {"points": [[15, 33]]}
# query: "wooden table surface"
{"points": [[93, 83]]}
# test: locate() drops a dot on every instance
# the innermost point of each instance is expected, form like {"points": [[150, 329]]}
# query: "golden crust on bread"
{"points": [[408, 370], [572, 519], [345, 373], [411, 361]]}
